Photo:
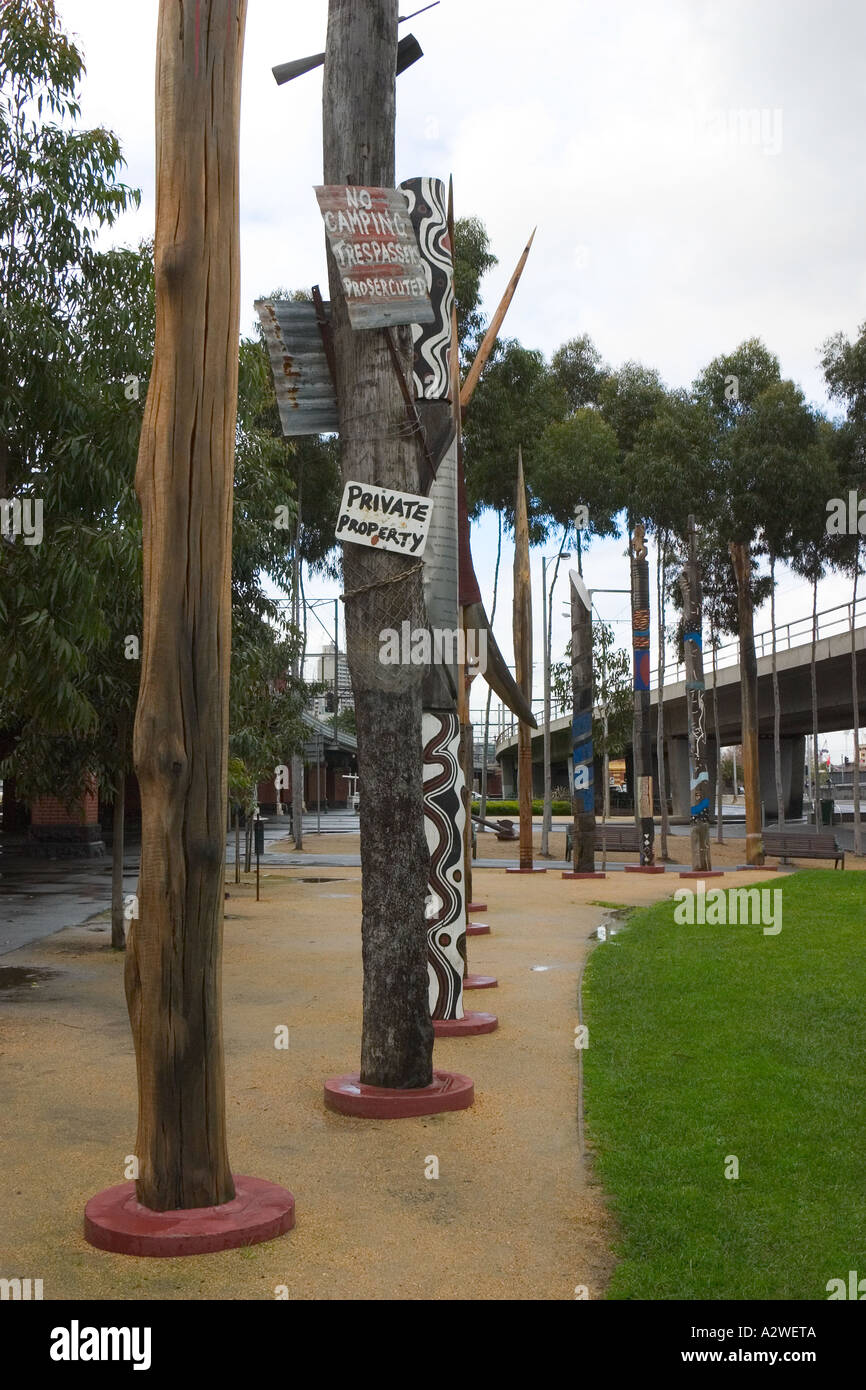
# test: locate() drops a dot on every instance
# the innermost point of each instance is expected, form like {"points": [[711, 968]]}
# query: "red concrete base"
{"points": [[757, 868], [570, 874], [476, 907], [115, 1220], [526, 871], [480, 982], [644, 868], [477, 929], [469, 1026], [702, 873], [450, 1091]]}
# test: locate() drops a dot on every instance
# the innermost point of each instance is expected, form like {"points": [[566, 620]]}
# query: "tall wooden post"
{"points": [[583, 797], [382, 589], [640, 622], [184, 482], [523, 662], [742, 565], [693, 612]]}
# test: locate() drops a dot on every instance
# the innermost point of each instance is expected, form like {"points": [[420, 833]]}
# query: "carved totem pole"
{"points": [[641, 747]]}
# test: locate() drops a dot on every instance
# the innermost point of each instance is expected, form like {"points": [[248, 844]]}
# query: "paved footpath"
{"points": [[514, 1213]]}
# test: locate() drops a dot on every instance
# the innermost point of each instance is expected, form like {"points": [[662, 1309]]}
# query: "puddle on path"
{"points": [[18, 980]]}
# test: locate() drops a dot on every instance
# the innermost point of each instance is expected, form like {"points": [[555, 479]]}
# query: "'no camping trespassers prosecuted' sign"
{"points": [[384, 517], [375, 247]]}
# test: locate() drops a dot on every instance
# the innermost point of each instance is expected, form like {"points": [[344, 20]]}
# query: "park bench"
{"points": [[505, 829], [798, 844], [622, 836]]}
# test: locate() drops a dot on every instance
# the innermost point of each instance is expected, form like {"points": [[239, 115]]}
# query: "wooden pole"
{"points": [[640, 621], [742, 564], [523, 662], [474, 373], [381, 589], [184, 481], [690, 586], [583, 796]]}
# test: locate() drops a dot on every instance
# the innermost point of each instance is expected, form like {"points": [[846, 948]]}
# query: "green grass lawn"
{"points": [[711, 1041]]}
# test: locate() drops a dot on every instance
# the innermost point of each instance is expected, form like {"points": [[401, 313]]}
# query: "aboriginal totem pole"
{"points": [[444, 783], [640, 627], [690, 585], [523, 666], [583, 797]]}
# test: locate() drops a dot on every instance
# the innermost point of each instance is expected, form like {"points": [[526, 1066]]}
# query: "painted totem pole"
{"points": [[583, 797], [444, 799], [640, 627], [690, 585]]}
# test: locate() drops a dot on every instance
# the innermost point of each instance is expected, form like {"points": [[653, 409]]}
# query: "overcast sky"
{"points": [[694, 168]]}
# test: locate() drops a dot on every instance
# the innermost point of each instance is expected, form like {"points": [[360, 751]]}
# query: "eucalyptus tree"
{"points": [[728, 387], [812, 554], [784, 471], [576, 481], [59, 187], [669, 474], [844, 364]]}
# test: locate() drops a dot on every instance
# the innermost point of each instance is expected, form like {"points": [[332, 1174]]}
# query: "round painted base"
{"points": [[570, 874], [477, 929], [115, 1220], [757, 868], [644, 868], [526, 871], [702, 873], [480, 982], [476, 907], [469, 1026], [450, 1090]]}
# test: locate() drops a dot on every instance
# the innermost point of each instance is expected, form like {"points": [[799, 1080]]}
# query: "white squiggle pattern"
{"points": [[432, 341]]}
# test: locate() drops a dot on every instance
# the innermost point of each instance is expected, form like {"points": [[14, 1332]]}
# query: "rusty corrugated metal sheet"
{"points": [[372, 240], [305, 391]]}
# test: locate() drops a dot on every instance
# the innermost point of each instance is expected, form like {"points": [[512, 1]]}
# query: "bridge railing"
{"points": [[830, 622]]}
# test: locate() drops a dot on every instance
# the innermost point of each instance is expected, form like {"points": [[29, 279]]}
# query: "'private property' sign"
{"points": [[372, 240], [385, 518]]}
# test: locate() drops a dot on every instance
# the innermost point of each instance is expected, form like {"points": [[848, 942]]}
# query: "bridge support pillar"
{"points": [[678, 773], [793, 750]]}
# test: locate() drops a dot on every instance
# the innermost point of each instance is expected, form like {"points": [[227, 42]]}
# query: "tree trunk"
{"points": [[690, 585], [118, 936], [184, 481], [720, 793], [482, 810], [397, 1037], [522, 621], [248, 844], [813, 677], [237, 844], [661, 568], [777, 704], [855, 770], [742, 564]]}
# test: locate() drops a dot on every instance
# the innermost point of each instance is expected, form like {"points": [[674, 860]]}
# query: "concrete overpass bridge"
{"points": [[793, 652]]}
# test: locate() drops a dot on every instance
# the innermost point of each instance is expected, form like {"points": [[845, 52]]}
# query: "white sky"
{"points": [[664, 229]]}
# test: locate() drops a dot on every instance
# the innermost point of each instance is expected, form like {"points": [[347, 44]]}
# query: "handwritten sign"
{"points": [[371, 238], [383, 517]]}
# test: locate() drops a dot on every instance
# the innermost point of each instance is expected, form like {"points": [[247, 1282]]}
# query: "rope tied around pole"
{"points": [[380, 583]]}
